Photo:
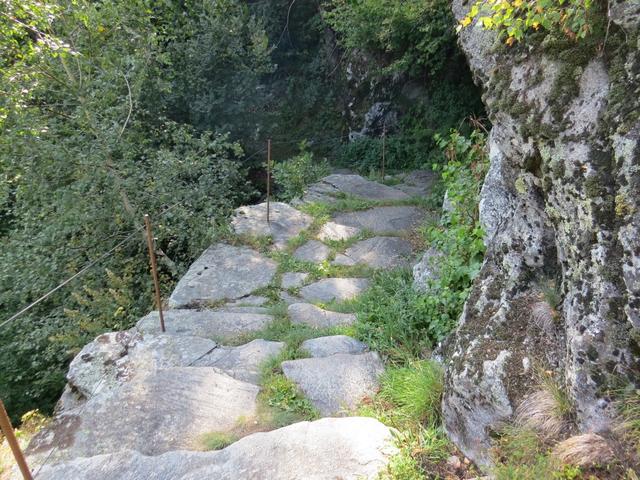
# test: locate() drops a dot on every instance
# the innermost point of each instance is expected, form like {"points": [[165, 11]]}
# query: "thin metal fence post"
{"points": [[384, 147], [268, 180], [7, 429], [154, 269]]}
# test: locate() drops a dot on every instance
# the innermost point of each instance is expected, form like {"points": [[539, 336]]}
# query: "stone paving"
{"points": [[138, 402]]}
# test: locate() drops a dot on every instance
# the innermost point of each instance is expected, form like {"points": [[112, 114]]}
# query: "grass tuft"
{"points": [[217, 440]]}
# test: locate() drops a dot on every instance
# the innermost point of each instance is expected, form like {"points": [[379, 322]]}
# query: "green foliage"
{"points": [[629, 406], [294, 175], [85, 152], [513, 19], [217, 440], [415, 391], [415, 35]]}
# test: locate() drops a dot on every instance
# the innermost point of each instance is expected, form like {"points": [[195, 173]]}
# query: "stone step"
{"points": [[378, 252], [223, 272], [243, 362], [338, 383], [316, 317], [330, 289], [332, 186], [155, 412], [332, 345], [213, 324], [330, 448], [379, 220]]}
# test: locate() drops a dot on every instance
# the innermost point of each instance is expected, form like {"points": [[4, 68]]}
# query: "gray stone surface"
{"points": [[338, 383], [426, 270], [418, 183], [243, 362], [337, 232], [382, 219], [354, 185], [116, 357], [222, 272], [329, 289], [249, 300], [377, 252], [573, 216], [307, 314], [163, 410], [352, 448], [288, 298], [294, 279], [212, 324], [327, 346], [285, 222], [312, 251]]}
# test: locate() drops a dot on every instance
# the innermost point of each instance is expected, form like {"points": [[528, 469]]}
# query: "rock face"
{"points": [[222, 272], [285, 222], [336, 383], [561, 211], [346, 448]]}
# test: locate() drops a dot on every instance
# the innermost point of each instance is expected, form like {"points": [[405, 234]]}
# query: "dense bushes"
{"points": [[85, 151], [292, 176]]}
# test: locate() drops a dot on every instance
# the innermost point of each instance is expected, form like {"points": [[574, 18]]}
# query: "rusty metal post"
{"points": [[7, 429], [268, 180], [154, 269], [384, 147]]}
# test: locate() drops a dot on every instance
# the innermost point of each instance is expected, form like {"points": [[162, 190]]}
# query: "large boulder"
{"points": [[222, 272], [560, 210], [346, 448]]}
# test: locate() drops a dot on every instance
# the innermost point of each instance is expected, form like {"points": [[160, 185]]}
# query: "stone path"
{"points": [[138, 403]]}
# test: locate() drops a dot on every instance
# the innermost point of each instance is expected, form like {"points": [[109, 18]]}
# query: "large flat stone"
{"points": [[312, 251], [243, 362], [166, 409], [115, 358], [377, 252], [355, 185], [219, 325], [329, 289], [382, 219], [332, 345], [285, 222], [222, 272], [337, 383], [316, 317], [294, 279], [337, 232], [328, 449]]}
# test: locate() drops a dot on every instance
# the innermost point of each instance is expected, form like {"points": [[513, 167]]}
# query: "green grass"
{"points": [[629, 407], [415, 390], [217, 440], [392, 318]]}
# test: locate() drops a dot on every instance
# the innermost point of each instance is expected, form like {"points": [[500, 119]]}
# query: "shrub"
{"points": [[512, 20], [292, 176]]}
